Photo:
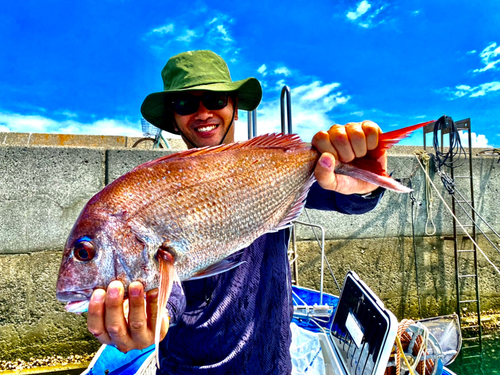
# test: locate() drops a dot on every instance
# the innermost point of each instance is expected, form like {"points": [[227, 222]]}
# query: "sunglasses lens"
{"points": [[215, 100], [188, 105]]}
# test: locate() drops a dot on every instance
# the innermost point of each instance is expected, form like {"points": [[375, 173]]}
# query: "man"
{"points": [[237, 322]]}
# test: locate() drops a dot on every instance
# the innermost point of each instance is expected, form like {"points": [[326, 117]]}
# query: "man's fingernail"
{"points": [[134, 291], [98, 296], [113, 292], [153, 293], [325, 162]]}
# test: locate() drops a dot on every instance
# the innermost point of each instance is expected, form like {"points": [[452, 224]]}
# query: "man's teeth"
{"points": [[206, 128]]}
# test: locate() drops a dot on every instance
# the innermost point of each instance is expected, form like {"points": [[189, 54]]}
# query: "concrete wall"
{"points": [[43, 189]]}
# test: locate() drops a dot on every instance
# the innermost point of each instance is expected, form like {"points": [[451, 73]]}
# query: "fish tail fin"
{"points": [[167, 275], [389, 139]]}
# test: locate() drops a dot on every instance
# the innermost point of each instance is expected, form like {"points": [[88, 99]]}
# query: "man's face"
{"points": [[207, 127]]}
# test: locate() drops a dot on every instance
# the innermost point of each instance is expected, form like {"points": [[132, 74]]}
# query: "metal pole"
{"points": [[254, 122], [250, 125], [286, 124]]}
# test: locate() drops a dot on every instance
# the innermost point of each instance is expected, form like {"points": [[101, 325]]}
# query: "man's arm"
{"points": [[354, 204]]}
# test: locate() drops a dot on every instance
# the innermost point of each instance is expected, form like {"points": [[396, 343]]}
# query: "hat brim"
{"points": [[155, 109]]}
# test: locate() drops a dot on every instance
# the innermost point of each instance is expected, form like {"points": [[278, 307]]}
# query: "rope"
{"points": [[413, 202], [428, 193], [459, 223], [416, 349], [405, 323], [455, 151]]}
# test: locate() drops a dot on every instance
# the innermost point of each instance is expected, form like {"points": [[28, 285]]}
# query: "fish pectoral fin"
{"points": [[216, 269], [167, 277]]}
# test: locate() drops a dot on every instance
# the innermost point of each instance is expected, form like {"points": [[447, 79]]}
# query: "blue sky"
{"points": [[84, 67]]}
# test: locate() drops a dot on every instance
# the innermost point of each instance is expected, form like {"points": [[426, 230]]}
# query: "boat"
{"points": [[313, 319]]}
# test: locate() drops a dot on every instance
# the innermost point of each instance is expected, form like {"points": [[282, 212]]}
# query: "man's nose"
{"points": [[203, 113]]}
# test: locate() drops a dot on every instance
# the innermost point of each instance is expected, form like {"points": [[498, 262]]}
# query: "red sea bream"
{"points": [[181, 215]]}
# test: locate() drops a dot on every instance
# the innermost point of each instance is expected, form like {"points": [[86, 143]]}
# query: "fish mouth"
{"points": [[81, 295]]}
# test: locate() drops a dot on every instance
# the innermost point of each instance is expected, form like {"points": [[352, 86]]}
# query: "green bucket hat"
{"points": [[197, 70]]}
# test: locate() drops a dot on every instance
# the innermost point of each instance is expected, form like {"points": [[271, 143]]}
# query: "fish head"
{"points": [[100, 248]]}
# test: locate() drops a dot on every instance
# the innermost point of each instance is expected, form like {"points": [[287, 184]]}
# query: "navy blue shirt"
{"points": [[238, 322]]}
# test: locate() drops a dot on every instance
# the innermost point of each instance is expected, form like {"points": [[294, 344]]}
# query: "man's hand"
{"points": [[109, 323], [344, 144]]}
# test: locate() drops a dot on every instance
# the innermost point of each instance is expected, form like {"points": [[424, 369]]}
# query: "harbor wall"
{"points": [[43, 189]]}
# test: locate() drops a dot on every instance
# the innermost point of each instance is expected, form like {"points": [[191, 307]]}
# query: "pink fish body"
{"points": [[180, 216], [198, 205]]}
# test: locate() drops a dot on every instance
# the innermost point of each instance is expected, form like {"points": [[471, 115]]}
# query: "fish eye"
{"points": [[84, 251]]}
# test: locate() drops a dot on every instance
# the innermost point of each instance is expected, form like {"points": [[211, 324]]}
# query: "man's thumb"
{"points": [[324, 171]]}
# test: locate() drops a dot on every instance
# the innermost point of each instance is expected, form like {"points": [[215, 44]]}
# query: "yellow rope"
{"points": [[400, 348]]}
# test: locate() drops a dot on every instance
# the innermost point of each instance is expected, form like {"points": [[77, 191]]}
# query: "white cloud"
{"points": [[189, 29], [315, 91], [67, 114], [472, 92], [280, 84], [221, 29], [362, 8], [471, 52], [481, 90], [490, 57], [262, 69], [13, 122], [365, 14], [478, 140], [283, 70], [167, 29], [188, 36]]}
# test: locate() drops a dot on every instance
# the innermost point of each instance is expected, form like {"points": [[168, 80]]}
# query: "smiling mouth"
{"points": [[206, 128]]}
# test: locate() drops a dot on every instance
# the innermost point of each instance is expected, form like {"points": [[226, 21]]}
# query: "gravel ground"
{"points": [[56, 360]]}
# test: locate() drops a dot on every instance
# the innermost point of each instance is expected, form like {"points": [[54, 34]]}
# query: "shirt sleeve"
{"points": [[354, 204], [176, 304]]}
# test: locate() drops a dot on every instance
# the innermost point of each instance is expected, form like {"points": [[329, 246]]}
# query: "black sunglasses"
{"points": [[189, 104]]}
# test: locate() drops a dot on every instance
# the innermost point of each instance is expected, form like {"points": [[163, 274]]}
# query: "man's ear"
{"points": [[170, 115]]}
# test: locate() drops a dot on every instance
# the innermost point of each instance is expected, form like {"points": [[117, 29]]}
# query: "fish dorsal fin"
{"points": [[272, 140]]}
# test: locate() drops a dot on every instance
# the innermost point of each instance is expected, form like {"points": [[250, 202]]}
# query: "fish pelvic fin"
{"points": [[167, 276], [380, 179], [216, 269], [272, 140]]}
